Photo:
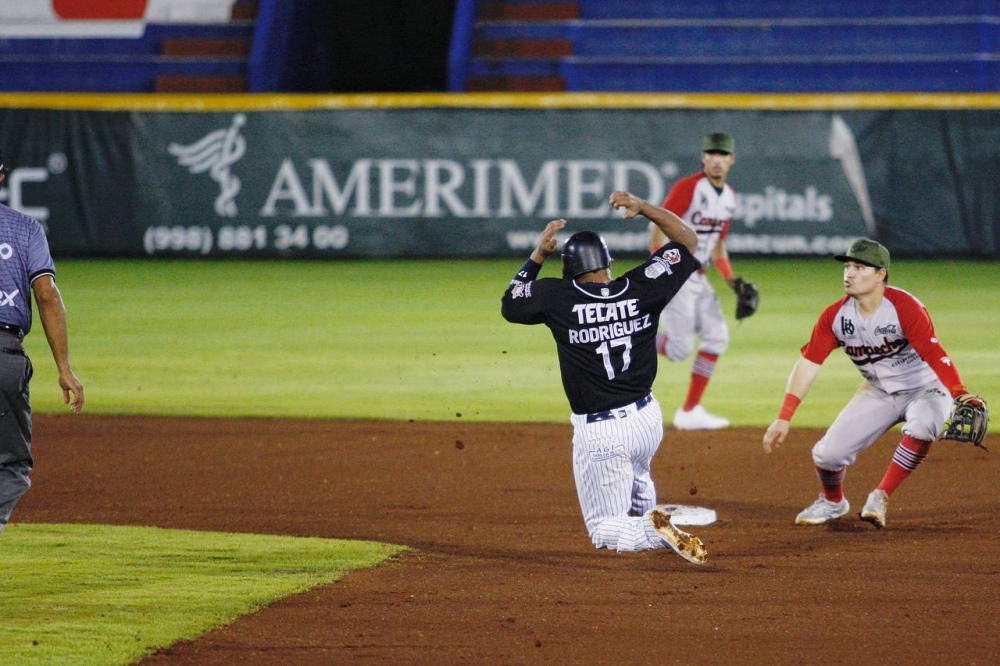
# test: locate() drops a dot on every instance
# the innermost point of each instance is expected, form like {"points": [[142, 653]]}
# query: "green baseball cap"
{"points": [[719, 142], [868, 252]]}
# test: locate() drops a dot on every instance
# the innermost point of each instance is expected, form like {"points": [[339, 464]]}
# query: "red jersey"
{"points": [[703, 208], [894, 349]]}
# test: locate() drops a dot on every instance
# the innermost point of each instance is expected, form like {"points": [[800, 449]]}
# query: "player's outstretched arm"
{"points": [[516, 307], [548, 243], [801, 379], [671, 225], [656, 238]]}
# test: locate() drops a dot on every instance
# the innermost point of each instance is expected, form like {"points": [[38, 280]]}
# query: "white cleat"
{"points": [[874, 511], [698, 419], [822, 510], [686, 545]]}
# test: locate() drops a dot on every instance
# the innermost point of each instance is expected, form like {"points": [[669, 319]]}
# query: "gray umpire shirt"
{"points": [[24, 257]]}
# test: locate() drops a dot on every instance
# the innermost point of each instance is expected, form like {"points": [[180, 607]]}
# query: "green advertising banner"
{"points": [[478, 182]]}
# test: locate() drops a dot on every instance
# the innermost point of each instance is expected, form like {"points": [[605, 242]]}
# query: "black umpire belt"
{"points": [[13, 330], [620, 412]]}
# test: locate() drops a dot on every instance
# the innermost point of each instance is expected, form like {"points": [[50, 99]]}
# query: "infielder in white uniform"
{"points": [[908, 378], [707, 204]]}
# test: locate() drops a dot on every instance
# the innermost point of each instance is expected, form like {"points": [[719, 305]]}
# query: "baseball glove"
{"points": [[968, 421], [747, 297]]}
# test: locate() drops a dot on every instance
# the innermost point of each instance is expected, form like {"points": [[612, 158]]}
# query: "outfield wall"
{"points": [[479, 175]]}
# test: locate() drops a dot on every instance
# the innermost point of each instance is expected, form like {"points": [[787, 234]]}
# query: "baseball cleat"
{"points": [[686, 545], [698, 419], [874, 511], [821, 511]]}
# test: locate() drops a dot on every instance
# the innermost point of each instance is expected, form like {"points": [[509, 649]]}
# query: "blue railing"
{"points": [[763, 46], [460, 51]]}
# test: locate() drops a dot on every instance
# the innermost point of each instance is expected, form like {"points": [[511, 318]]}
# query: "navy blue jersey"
{"points": [[605, 333], [24, 257]]}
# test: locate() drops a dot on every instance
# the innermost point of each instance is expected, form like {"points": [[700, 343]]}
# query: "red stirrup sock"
{"points": [[832, 482], [909, 454], [701, 372]]}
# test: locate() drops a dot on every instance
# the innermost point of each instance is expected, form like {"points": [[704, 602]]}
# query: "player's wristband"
{"points": [[725, 268], [789, 406], [529, 271]]}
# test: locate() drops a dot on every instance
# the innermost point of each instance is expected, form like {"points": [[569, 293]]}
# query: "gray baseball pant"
{"points": [[15, 427]]}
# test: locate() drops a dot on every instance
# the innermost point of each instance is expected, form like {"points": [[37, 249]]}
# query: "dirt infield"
{"points": [[502, 571]]}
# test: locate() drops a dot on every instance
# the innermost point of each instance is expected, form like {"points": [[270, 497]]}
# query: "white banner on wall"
{"points": [[82, 19]]}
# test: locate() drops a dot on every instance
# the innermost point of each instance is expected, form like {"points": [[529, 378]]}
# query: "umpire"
{"points": [[26, 263]]}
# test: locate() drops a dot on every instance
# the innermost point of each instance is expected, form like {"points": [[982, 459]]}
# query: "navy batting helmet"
{"points": [[583, 252]]}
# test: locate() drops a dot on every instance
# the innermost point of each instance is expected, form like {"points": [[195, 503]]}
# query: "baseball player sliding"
{"points": [[908, 378], [604, 330]]}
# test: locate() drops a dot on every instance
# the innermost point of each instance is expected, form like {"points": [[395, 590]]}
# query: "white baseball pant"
{"points": [[694, 311], [611, 464], [872, 411]]}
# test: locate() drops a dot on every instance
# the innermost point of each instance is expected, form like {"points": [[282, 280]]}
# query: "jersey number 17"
{"points": [[605, 350]]}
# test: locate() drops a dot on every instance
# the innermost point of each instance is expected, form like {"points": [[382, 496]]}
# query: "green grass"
{"points": [[86, 594], [425, 340], [378, 339]]}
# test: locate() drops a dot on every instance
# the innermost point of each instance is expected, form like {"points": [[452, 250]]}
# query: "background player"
{"points": [[604, 331], [908, 378], [706, 203], [26, 266]]}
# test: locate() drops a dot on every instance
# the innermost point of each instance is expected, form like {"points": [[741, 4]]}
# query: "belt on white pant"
{"points": [[619, 412]]}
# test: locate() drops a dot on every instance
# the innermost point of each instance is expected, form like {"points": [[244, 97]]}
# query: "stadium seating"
{"points": [[765, 46], [177, 49]]}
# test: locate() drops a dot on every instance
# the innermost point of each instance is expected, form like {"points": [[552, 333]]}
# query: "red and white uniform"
{"points": [[703, 208], [909, 377], [696, 310]]}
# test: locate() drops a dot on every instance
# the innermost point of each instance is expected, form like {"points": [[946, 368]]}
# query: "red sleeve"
{"points": [[725, 229], [919, 330], [728, 223], [823, 341], [680, 196]]}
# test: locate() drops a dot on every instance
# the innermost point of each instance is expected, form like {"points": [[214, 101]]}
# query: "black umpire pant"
{"points": [[15, 424]]}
